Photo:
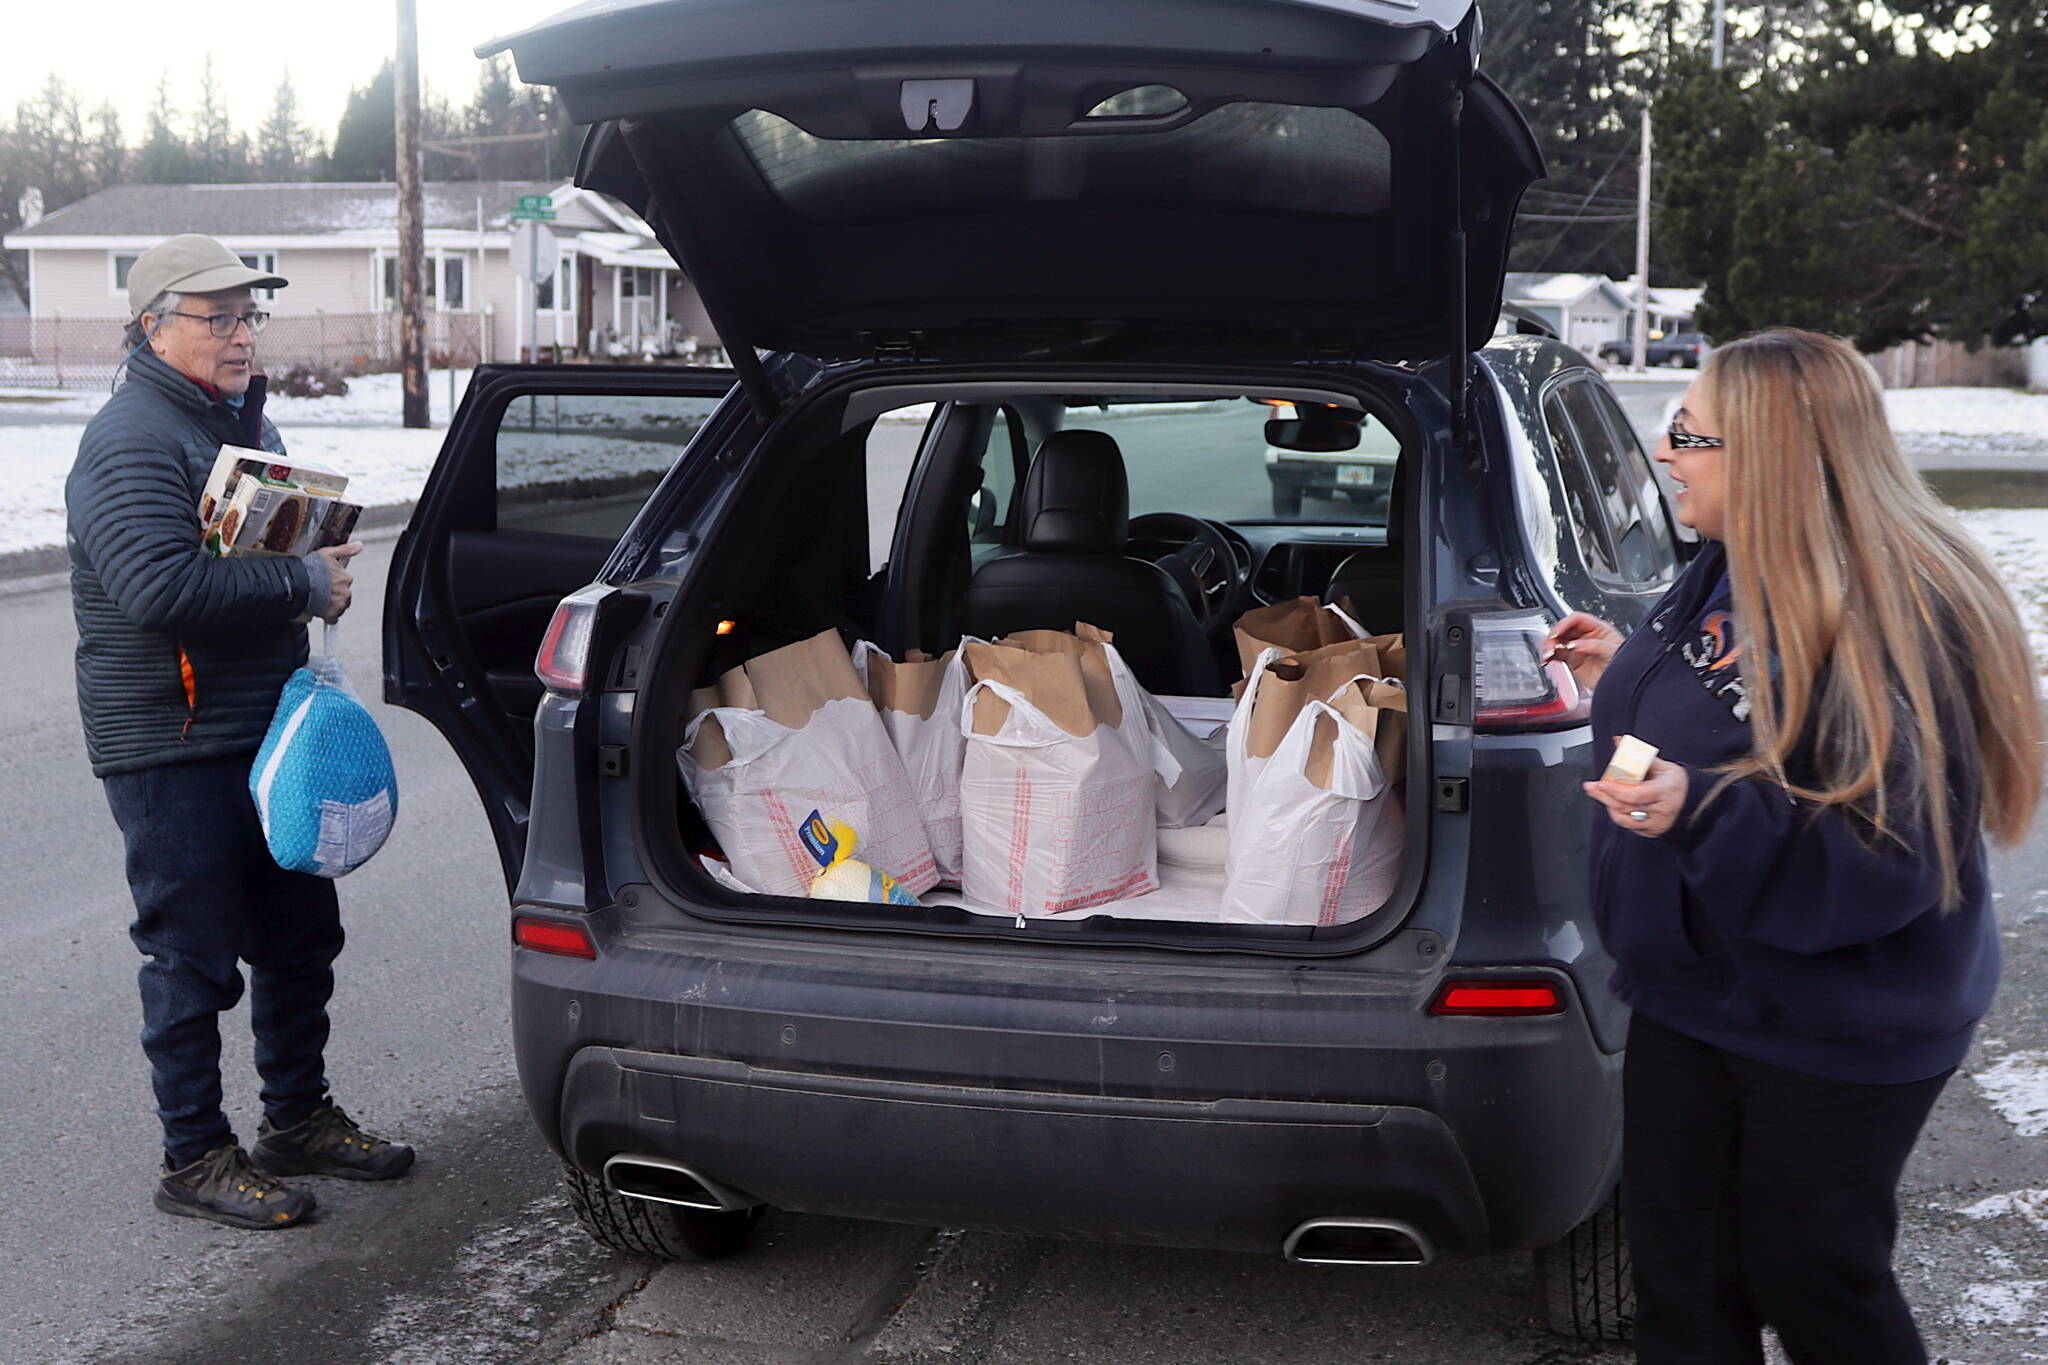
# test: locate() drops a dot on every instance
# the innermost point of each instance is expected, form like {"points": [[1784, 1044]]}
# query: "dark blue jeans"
{"points": [[207, 898]]}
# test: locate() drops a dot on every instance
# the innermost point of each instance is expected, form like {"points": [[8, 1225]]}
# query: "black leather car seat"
{"points": [[1375, 580], [1073, 512]]}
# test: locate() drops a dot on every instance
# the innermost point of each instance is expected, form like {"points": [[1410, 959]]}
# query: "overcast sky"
{"points": [[116, 50]]}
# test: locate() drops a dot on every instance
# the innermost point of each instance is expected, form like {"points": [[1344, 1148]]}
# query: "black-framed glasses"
{"points": [[1681, 439], [223, 325]]}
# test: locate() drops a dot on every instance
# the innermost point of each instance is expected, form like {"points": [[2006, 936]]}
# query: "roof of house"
{"points": [[279, 210], [1525, 286]]}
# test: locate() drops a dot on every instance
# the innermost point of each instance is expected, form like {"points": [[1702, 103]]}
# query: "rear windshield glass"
{"points": [[1284, 157]]}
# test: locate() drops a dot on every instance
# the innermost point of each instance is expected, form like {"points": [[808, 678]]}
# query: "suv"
{"points": [[1677, 349], [932, 237]]}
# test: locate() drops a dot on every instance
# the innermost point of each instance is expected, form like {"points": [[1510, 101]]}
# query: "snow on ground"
{"points": [[2016, 538]]}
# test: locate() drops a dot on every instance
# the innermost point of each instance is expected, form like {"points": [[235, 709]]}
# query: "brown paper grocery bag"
{"points": [[1294, 680], [911, 686], [1063, 675], [1298, 626], [786, 684]]}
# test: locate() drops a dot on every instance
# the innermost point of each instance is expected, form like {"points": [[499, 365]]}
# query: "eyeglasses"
{"points": [[223, 325], [1681, 439]]}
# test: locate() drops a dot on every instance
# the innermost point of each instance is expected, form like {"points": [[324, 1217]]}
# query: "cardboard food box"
{"points": [[234, 463], [257, 505]]}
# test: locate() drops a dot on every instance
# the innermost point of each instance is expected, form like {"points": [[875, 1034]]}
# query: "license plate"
{"points": [[1354, 476]]}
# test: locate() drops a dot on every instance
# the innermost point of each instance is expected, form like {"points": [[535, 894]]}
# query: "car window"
{"points": [[1589, 528], [1002, 469], [892, 449], [1640, 555], [1210, 459], [583, 464], [1642, 477]]}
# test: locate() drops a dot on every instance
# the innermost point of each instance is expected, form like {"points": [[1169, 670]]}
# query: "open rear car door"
{"points": [[543, 469]]}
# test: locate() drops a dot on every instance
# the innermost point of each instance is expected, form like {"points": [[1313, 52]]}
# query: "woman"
{"points": [[1795, 895]]}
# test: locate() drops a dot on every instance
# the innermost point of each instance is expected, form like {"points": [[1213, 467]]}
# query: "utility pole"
{"points": [[1642, 329], [412, 271], [1720, 34]]}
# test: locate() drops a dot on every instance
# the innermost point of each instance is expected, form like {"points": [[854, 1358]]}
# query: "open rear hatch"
{"points": [[975, 179]]}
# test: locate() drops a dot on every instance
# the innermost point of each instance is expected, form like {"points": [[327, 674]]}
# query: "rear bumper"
{"points": [[1212, 1105]]}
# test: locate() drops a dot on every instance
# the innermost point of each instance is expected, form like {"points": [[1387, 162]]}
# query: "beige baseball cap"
{"points": [[191, 263]]}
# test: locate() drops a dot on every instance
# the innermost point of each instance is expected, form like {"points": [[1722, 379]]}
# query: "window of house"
{"points": [[123, 262], [265, 261], [544, 293], [447, 282]]}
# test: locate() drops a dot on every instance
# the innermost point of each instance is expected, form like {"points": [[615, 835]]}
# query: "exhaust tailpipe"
{"points": [[661, 1181], [1357, 1241]]}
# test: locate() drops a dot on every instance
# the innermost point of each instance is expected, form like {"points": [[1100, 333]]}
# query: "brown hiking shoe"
{"points": [[328, 1142], [223, 1187]]}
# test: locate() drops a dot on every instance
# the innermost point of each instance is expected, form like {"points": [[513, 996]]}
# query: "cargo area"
{"points": [[1046, 657]]}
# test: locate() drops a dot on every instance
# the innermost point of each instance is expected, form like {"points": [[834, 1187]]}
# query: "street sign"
{"points": [[534, 208], [533, 252]]}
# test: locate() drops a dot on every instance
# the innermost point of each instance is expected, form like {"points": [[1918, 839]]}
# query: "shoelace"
{"points": [[232, 1165], [332, 1120]]}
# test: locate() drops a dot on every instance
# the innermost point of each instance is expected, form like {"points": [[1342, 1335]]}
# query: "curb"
{"points": [[23, 570]]}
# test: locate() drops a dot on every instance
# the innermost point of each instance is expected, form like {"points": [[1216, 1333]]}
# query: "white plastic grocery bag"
{"points": [[790, 732], [919, 701], [1057, 789], [324, 787], [1197, 795], [1316, 832]]}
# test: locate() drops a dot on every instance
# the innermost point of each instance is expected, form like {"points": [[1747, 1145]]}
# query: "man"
{"points": [[181, 658]]}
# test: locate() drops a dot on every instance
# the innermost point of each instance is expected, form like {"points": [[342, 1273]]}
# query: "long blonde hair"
{"points": [[1864, 611]]}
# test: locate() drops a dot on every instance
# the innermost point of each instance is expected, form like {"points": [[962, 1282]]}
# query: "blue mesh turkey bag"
{"points": [[323, 782]]}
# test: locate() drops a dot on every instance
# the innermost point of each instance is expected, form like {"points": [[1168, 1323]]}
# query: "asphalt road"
{"points": [[474, 1258]]}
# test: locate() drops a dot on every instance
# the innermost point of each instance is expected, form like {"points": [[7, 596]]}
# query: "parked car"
{"points": [[1677, 349], [1350, 457], [925, 267]]}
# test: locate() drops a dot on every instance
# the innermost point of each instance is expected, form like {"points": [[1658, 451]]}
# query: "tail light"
{"points": [[564, 661], [553, 936], [1497, 998], [1512, 688]]}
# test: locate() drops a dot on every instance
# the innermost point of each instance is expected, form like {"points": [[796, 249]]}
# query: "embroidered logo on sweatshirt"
{"points": [[1712, 654]]}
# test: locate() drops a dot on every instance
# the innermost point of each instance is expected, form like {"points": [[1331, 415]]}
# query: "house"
{"points": [[1584, 310], [615, 292]]}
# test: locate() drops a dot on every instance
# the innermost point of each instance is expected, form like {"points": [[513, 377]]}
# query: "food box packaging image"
{"points": [[234, 463], [271, 519]]}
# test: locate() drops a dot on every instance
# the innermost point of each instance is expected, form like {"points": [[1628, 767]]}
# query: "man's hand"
{"points": [[1659, 798], [339, 579], [1583, 644]]}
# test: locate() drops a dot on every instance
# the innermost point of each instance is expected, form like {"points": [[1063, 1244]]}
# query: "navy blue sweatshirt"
{"points": [[1756, 924]]}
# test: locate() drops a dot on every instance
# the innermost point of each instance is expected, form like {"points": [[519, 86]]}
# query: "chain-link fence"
{"points": [[74, 353]]}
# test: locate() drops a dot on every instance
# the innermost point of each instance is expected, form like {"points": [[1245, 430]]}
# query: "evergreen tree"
{"points": [[107, 152], [284, 144], [164, 158], [366, 140], [222, 153]]}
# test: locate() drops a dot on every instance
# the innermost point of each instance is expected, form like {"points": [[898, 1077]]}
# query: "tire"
{"points": [[639, 1227], [1286, 500], [1587, 1289], [1678, 361]]}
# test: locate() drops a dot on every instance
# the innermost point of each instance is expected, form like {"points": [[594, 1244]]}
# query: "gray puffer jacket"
{"points": [[180, 655]]}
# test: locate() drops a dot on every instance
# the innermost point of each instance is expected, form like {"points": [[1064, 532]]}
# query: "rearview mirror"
{"points": [[1319, 431]]}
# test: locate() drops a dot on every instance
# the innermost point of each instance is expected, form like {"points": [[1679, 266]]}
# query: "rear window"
{"points": [[1292, 158]]}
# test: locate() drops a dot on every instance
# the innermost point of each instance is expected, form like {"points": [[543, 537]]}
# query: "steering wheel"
{"points": [[1204, 566]]}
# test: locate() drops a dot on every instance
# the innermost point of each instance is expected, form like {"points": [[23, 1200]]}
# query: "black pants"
{"points": [[1758, 1196], [207, 896]]}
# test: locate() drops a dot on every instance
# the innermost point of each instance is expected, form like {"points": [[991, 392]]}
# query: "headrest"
{"points": [[1076, 497]]}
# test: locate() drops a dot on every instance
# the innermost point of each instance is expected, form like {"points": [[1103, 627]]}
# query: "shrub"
{"points": [[309, 381]]}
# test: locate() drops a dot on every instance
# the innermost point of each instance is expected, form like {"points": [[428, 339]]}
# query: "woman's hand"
{"points": [[1583, 644], [1659, 799]]}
